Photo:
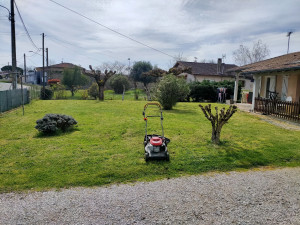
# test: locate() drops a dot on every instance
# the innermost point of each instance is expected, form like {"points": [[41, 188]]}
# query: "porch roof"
{"points": [[289, 61]]}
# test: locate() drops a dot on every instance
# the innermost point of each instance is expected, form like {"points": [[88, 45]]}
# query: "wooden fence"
{"points": [[281, 109]]}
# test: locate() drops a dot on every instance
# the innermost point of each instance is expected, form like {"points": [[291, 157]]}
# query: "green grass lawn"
{"points": [[107, 145]]}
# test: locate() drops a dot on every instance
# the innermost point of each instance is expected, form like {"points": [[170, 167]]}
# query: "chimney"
{"points": [[219, 65], [222, 68]]}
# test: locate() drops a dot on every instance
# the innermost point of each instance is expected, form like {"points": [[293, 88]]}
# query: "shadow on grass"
{"points": [[224, 157], [242, 156], [56, 134], [158, 161]]}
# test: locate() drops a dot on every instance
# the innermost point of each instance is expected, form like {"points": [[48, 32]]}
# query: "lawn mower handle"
{"points": [[161, 116], [152, 103]]}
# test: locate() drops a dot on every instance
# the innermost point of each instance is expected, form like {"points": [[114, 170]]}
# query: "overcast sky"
{"points": [[192, 28]]}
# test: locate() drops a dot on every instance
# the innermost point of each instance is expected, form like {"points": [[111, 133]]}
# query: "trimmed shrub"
{"points": [[51, 123], [46, 94], [117, 82], [170, 90], [93, 91]]}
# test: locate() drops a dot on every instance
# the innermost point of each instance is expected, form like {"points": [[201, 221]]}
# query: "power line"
{"points": [[28, 35], [123, 35]]}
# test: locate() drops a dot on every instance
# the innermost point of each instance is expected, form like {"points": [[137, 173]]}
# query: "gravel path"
{"points": [[253, 197], [289, 125]]}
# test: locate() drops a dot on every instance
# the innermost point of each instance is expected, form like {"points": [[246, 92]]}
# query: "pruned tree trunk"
{"points": [[218, 120], [101, 92], [147, 92]]}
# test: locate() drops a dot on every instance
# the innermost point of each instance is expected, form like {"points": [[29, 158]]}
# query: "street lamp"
{"points": [[9, 16]]}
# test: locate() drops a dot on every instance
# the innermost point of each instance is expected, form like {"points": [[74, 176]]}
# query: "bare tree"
{"points": [[177, 58], [117, 66], [243, 55], [217, 120], [100, 78]]}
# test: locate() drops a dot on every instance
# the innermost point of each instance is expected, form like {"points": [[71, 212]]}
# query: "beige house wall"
{"points": [[293, 84], [292, 87], [298, 89], [248, 84], [262, 92], [212, 78]]}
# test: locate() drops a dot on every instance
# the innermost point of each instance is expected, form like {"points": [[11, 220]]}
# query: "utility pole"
{"points": [[25, 67], [43, 66], [13, 45], [289, 35], [47, 61]]}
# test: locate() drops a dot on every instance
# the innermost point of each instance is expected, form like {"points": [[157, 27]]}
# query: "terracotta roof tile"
{"points": [[204, 68], [60, 65], [279, 63]]}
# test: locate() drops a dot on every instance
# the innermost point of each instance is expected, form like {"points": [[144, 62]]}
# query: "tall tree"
{"points": [[100, 78], [9, 68], [73, 78], [138, 74], [117, 66], [243, 55]]}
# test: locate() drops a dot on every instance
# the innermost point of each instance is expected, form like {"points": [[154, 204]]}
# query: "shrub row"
{"points": [[207, 90]]}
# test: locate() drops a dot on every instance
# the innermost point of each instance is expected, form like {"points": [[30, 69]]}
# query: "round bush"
{"points": [[170, 90], [117, 82], [51, 123], [93, 91], [46, 94]]}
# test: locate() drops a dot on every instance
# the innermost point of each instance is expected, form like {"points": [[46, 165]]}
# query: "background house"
{"points": [[55, 71], [277, 77], [276, 88], [212, 72]]}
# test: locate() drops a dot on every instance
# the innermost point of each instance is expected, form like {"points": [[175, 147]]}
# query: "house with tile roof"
{"points": [[212, 72], [276, 78], [55, 71]]}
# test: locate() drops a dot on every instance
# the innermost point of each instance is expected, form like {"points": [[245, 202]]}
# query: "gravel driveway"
{"points": [[253, 197], [8, 86]]}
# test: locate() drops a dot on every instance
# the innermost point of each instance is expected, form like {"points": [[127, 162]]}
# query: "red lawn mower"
{"points": [[155, 145]]}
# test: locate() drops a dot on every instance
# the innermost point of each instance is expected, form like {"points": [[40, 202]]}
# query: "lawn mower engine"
{"points": [[156, 147]]}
